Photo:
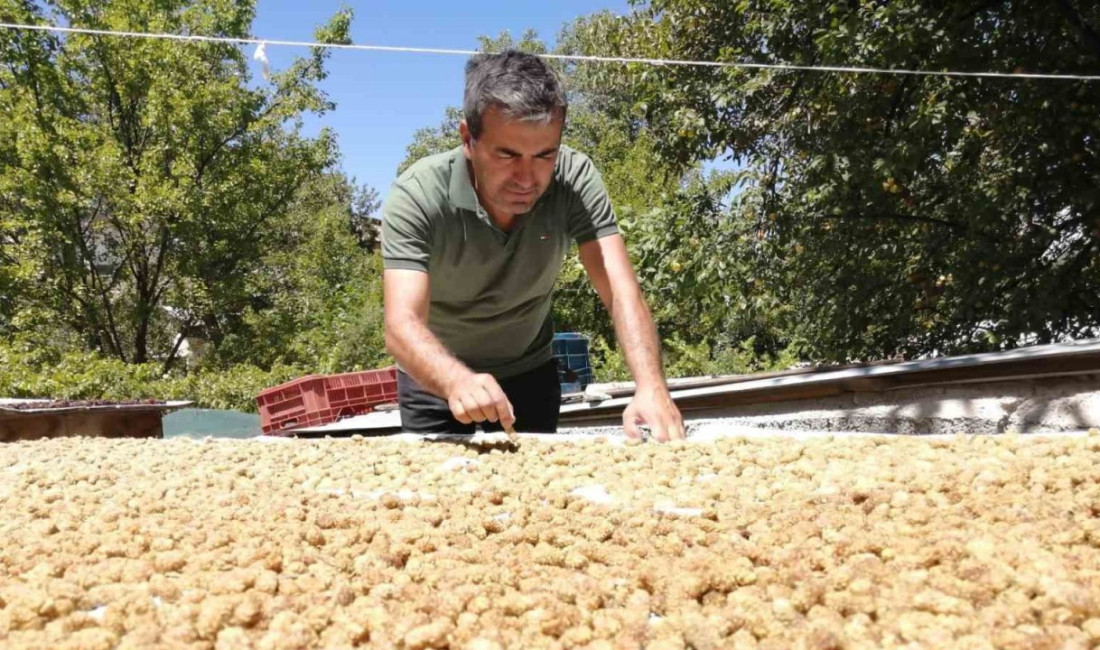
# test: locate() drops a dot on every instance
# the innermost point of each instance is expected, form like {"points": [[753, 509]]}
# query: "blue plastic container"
{"points": [[574, 368]]}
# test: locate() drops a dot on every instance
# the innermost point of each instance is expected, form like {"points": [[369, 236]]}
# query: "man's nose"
{"points": [[524, 175]]}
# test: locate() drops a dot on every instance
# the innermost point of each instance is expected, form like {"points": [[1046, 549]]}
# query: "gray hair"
{"points": [[522, 86]]}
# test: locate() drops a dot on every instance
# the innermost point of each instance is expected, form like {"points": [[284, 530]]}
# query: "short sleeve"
{"points": [[590, 213], [406, 232]]}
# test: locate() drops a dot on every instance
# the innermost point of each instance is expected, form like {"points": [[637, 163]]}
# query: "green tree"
{"points": [[896, 214], [317, 294], [365, 219], [431, 140], [140, 178]]}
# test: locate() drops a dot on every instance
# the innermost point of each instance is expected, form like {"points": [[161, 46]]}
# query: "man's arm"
{"points": [[472, 397], [608, 267]]}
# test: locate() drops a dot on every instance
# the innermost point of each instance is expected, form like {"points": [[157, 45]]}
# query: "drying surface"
{"points": [[737, 543]]}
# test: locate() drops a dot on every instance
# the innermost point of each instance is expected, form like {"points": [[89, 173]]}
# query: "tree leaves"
{"points": [[145, 173], [878, 179]]}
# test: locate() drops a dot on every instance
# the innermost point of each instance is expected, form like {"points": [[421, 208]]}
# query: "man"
{"points": [[473, 240]]}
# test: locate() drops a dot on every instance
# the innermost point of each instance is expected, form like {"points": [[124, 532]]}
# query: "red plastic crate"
{"points": [[369, 388], [320, 399]]}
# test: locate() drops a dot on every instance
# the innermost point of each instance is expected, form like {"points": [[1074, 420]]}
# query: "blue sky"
{"points": [[382, 98]]}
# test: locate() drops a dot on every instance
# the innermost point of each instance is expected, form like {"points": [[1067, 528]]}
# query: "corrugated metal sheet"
{"points": [[713, 393]]}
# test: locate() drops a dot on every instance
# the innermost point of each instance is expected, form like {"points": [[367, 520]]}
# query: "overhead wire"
{"points": [[264, 42]]}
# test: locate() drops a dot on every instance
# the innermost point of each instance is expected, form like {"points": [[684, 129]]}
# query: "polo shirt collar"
{"points": [[461, 191]]}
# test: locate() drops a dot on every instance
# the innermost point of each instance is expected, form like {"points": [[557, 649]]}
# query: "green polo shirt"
{"points": [[490, 289]]}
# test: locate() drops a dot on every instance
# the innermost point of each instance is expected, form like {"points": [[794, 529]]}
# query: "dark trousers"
{"points": [[535, 398]]}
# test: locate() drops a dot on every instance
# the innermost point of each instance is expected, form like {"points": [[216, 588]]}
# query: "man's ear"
{"points": [[467, 139]]}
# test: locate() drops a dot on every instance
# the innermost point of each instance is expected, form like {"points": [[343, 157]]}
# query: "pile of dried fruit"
{"points": [[853, 543]]}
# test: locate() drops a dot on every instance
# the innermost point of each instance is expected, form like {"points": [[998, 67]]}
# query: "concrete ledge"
{"points": [[1032, 406]]}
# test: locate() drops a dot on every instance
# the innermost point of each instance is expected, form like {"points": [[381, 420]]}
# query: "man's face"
{"points": [[513, 161]]}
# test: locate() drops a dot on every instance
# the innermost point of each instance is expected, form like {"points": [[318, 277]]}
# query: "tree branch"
{"points": [[979, 9], [897, 216], [94, 284], [206, 160], [1088, 32], [176, 348], [277, 205], [162, 254]]}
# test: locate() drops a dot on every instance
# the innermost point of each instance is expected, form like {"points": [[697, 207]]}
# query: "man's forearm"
{"points": [[638, 338], [423, 356]]}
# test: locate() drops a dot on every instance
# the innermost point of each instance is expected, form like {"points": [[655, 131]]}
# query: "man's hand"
{"points": [[479, 398], [655, 409], [609, 269]]}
